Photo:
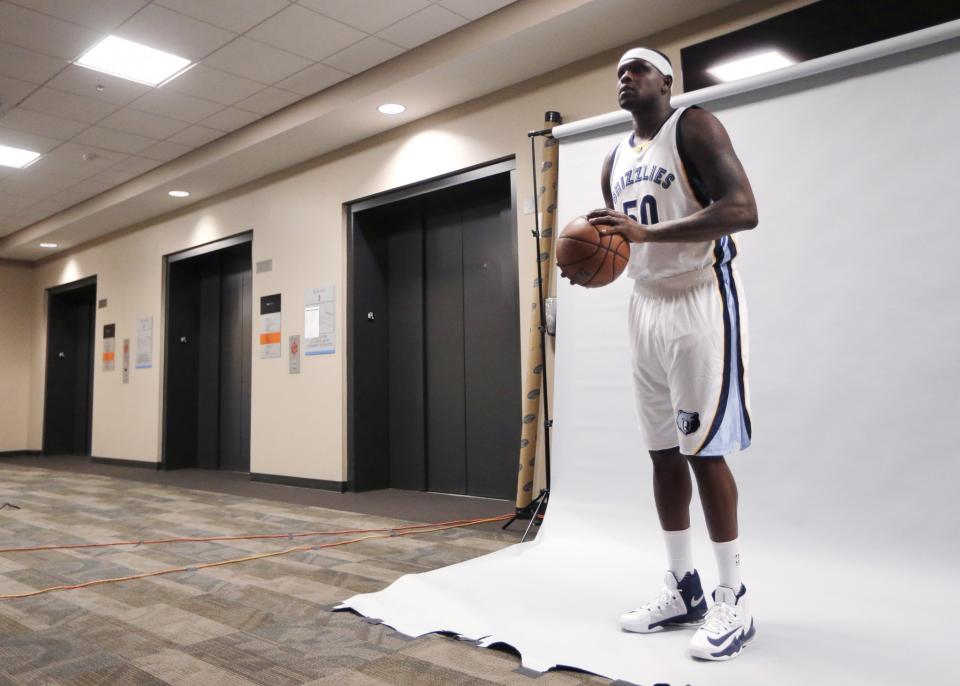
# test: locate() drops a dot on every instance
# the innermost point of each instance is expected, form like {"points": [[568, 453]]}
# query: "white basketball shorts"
{"points": [[689, 348]]}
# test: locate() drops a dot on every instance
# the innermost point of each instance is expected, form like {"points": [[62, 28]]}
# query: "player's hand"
{"points": [[609, 221]]}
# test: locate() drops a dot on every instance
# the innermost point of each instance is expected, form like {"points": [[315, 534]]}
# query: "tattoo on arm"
{"points": [[709, 148]]}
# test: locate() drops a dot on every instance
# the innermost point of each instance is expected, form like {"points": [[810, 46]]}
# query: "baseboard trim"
{"points": [[126, 463], [20, 453], [322, 484]]}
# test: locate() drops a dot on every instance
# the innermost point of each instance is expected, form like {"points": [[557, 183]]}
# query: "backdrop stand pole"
{"points": [[535, 507]]}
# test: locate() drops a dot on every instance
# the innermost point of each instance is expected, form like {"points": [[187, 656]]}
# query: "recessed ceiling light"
{"points": [[391, 108], [758, 63], [179, 194], [133, 61], [17, 157], [48, 245]]}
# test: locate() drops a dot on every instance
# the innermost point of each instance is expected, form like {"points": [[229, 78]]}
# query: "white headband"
{"points": [[654, 58]]}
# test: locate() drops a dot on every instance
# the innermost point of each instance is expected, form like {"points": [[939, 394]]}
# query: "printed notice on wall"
{"points": [[145, 343], [126, 360], [270, 326], [109, 347], [319, 321]]}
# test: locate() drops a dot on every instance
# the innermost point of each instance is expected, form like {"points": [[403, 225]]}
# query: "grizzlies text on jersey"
{"points": [[649, 182]]}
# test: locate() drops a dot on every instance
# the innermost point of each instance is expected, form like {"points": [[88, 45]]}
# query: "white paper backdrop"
{"points": [[849, 522]]}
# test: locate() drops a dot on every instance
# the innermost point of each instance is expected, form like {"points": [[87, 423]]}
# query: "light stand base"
{"points": [[533, 511]]}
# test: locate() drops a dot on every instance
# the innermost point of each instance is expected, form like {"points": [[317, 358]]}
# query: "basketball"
{"points": [[589, 259]]}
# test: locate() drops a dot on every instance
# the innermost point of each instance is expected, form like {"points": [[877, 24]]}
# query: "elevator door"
{"points": [[68, 404], [439, 275], [209, 305]]}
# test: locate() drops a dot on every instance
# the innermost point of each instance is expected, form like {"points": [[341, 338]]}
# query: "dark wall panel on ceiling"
{"points": [[821, 28]]}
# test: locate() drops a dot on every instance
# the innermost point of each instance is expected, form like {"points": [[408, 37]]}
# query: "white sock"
{"points": [[679, 552], [728, 563]]}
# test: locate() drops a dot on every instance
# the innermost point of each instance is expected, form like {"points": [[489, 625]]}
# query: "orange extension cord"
{"points": [[377, 534]]}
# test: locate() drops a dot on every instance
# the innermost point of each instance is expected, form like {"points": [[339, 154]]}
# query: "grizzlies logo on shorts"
{"points": [[688, 422]]}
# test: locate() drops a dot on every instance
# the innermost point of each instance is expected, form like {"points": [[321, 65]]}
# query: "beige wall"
{"points": [[298, 221], [16, 347]]}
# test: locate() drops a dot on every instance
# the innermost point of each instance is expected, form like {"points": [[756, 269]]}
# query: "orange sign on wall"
{"points": [[270, 326]]}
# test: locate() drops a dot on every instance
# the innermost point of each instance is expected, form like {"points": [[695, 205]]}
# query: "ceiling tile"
{"points": [[313, 79], [48, 207], [254, 60], [137, 165], [142, 123], [82, 81], [365, 54], [92, 187], [173, 32], [196, 136], [238, 16], [28, 65], [74, 195], [11, 204], [422, 27], [43, 33], [474, 9], [29, 191], [176, 105], [68, 105], [31, 215], [213, 84], [100, 158], [166, 151], [45, 183], [12, 91], [27, 141], [230, 119], [367, 15], [306, 33], [102, 15], [75, 169], [113, 176], [269, 100], [42, 124], [117, 141]]}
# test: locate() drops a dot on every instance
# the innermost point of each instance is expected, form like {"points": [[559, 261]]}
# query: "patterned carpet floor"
{"points": [[265, 622]]}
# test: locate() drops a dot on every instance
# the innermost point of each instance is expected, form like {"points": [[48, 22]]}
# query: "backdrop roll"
{"points": [[535, 362]]}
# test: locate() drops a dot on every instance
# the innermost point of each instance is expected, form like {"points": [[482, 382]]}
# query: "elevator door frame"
{"points": [[59, 290], [506, 165], [197, 251]]}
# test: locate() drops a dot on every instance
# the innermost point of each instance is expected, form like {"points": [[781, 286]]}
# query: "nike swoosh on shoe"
{"points": [[696, 601], [723, 639], [732, 649]]}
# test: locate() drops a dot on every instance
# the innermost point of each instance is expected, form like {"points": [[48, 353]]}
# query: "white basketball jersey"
{"points": [[649, 183]]}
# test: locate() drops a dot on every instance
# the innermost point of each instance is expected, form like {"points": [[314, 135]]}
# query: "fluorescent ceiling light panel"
{"points": [[179, 194], [48, 245], [758, 63], [17, 157], [133, 61], [391, 108]]}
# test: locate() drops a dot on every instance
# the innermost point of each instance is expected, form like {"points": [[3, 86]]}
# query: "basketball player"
{"points": [[676, 191]]}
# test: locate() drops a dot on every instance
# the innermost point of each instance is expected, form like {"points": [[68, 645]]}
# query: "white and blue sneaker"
{"points": [[679, 603], [728, 627]]}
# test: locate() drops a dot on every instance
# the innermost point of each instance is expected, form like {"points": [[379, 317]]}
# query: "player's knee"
{"points": [[668, 455]]}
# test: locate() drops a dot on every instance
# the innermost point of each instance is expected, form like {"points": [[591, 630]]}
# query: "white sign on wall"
{"points": [[144, 343], [319, 321]]}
